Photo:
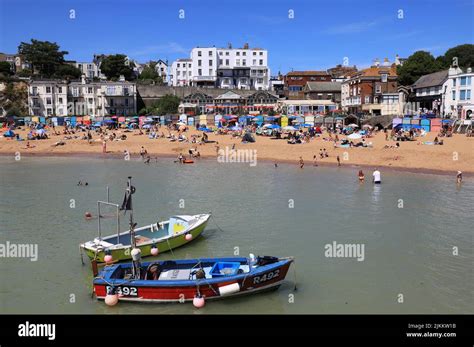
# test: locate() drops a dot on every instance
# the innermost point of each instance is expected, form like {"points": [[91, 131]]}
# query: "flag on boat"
{"points": [[127, 199]]}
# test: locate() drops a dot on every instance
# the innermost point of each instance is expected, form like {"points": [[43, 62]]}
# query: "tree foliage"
{"points": [[168, 104], [13, 99], [113, 66], [67, 71], [44, 56], [5, 68]]}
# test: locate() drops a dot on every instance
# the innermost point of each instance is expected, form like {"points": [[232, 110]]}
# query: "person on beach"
{"points": [[338, 161], [104, 147], [180, 158], [361, 176], [276, 164], [147, 160], [143, 152], [376, 176], [321, 154], [459, 177], [315, 160], [301, 162], [325, 153]]}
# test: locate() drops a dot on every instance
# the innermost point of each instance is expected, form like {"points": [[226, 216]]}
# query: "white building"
{"points": [[458, 95], [59, 98], [161, 69], [90, 70], [181, 73], [233, 68]]}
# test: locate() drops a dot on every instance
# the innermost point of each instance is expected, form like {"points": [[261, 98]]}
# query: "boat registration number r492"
{"points": [[122, 290], [266, 277]]}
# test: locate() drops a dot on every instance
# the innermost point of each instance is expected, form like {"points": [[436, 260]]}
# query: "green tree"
{"points": [[44, 56], [13, 99], [168, 104], [114, 65], [5, 68], [418, 64], [67, 71], [463, 53]]}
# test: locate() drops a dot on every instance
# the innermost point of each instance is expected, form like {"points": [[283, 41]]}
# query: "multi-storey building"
{"points": [[232, 68], [161, 69], [295, 82], [16, 61], [459, 93], [372, 90], [89, 70], [428, 92], [323, 91], [61, 98]]}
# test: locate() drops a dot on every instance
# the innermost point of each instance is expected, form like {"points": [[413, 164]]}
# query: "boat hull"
{"points": [[164, 245], [264, 279]]}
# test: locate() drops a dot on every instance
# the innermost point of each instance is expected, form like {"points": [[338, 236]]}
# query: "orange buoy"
{"points": [[188, 161], [88, 215]]}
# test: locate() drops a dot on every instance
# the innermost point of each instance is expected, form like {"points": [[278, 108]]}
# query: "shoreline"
{"points": [[205, 157]]}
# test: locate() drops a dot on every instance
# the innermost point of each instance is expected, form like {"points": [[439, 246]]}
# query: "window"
{"points": [[237, 53], [454, 82], [244, 53], [49, 111], [60, 90], [60, 100], [454, 95], [210, 72], [48, 101], [237, 62], [220, 53], [126, 102], [226, 53], [210, 53], [199, 62], [177, 65], [254, 53], [227, 62], [294, 88], [465, 94], [261, 53], [199, 53], [110, 90], [259, 80], [220, 61], [261, 61], [111, 103], [199, 72], [367, 99], [91, 101], [210, 62], [244, 62], [384, 77], [89, 90], [378, 89], [254, 62], [177, 73], [35, 90], [465, 81], [48, 90], [189, 65]]}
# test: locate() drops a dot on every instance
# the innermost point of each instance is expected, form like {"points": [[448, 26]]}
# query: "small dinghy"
{"points": [[151, 239], [189, 279]]}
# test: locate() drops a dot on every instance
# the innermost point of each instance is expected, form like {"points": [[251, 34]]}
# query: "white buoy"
{"points": [[188, 237], [154, 251], [111, 299], [199, 302], [108, 258], [136, 254], [229, 289]]}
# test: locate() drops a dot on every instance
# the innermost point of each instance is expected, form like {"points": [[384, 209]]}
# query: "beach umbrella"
{"points": [[354, 136], [180, 123], [367, 126], [353, 125], [289, 128], [234, 128]]}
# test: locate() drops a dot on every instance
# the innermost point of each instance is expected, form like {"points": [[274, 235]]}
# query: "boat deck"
{"points": [[142, 236]]}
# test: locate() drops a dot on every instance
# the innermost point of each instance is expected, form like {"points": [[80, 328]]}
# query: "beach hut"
{"points": [[73, 121], [309, 120], [406, 120], [217, 120], [54, 120], [79, 120], [436, 125], [396, 122], [415, 121], [258, 120], [86, 120], [284, 121], [190, 120], [203, 120], [42, 120], [183, 118], [210, 119], [425, 124]]}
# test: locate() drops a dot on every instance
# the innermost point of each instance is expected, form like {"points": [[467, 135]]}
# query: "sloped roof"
{"points": [[432, 79], [375, 71], [323, 86], [229, 95]]}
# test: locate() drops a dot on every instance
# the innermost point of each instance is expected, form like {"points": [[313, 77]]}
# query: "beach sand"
{"points": [[457, 153]]}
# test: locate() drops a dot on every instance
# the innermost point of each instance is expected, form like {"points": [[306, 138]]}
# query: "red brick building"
{"points": [[295, 81]]}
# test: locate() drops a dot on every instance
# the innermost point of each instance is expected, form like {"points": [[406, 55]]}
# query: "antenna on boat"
{"points": [[127, 206]]}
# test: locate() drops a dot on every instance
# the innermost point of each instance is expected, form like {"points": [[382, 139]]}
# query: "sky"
{"points": [[298, 34]]}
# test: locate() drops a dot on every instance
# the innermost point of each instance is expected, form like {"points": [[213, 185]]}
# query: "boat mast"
{"points": [[135, 252]]}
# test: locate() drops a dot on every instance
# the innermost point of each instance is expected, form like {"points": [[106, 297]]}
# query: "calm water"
{"points": [[407, 251]]}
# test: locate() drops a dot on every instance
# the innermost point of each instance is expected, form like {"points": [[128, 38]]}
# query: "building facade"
{"points": [[458, 96], [90, 70], [323, 91], [428, 93], [229, 68], [295, 81], [60, 98], [372, 91], [16, 61]]}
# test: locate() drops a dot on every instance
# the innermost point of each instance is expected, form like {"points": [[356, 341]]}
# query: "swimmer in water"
{"points": [[459, 177], [361, 176], [301, 163]]}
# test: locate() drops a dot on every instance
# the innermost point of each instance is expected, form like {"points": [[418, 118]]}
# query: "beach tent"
{"points": [[243, 120], [435, 125], [9, 133], [396, 122]]}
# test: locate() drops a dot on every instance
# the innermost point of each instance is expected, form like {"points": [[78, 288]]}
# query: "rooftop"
{"points": [[307, 73], [323, 86], [431, 80]]}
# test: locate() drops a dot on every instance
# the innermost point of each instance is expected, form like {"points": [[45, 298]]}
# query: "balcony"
{"points": [[204, 78]]}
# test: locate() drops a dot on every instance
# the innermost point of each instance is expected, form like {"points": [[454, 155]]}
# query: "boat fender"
{"points": [[111, 299], [154, 251], [188, 237], [88, 215], [136, 254], [229, 289], [199, 301], [108, 257]]}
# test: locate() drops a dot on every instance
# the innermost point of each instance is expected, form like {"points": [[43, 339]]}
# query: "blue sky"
{"points": [[319, 36]]}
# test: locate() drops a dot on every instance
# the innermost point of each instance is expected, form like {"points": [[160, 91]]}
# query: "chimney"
{"points": [[386, 62], [246, 46], [83, 79]]}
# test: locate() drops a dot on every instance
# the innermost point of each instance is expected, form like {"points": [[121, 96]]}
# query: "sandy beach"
{"points": [[457, 152]]}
